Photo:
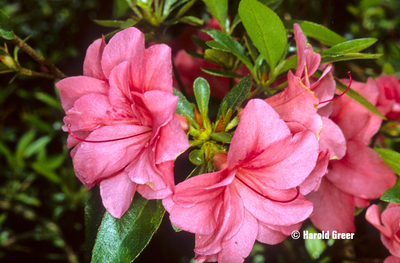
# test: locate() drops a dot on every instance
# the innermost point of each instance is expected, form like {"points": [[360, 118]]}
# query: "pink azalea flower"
{"points": [[361, 174], [299, 105], [389, 96], [255, 195], [389, 225], [122, 110]]}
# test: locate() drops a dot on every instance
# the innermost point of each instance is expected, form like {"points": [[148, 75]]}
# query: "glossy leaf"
{"points": [[392, 195], [314, 246], [219, 10], [222, 73], [316, 31], [236, 95], [6, 32], [329, 58], [391, 158], [222, 58], [351, 46], [184, 107], [122, 240], [94, 212], [227, 43], [290, 63], [265, 29], [359, 98], [202, 94]]}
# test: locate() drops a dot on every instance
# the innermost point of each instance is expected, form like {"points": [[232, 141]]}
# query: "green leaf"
{"points": [[94, 212], [222, 137], [265, 29], [109, 23], [392, 195], [391, 158], [351, 46], [25, 140], [222, 73], [316, 31], [36, 146], [359, 98], [202, 94], [290, 63], [226, 43], [222, 58], [191, 20], [273, 4], [219, 10], [196, 157], [184, 107], [167, 7], [49, 100], [314, 246], [6, 32], [122, 240], [236, 95], [329, 58]]}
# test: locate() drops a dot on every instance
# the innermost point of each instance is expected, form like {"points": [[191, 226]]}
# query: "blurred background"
{"points": [[42, 202]]}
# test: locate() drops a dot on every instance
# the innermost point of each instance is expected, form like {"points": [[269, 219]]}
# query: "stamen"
{"points": [[348, 87], [269, 198], [111, 140]]}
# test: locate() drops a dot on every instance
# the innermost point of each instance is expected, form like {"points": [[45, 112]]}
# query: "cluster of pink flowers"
{"points": [[296, 155]]}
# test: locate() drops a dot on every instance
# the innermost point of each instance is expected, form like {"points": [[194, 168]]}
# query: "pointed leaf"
{"points": [[359, 98], [392, 195], [219, 10], [94, 212], [236, 95], [221, 58], [184, 107], [391, 158], [316, 31], [109, 23], [265, 29], [226, 43], [351, 46], [222, 73], [6, 32], [122, 240], [329, 58], [202, 94]]}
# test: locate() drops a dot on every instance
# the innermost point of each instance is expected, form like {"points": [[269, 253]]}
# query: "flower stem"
{"points": [[36, 56]]}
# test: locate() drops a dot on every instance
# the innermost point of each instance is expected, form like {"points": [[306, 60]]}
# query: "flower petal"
{"points": [[73, 88], [333, 209], [260, 126], [96, 161], [92, 63], [126, 45], [361, 172], [117, 193]]}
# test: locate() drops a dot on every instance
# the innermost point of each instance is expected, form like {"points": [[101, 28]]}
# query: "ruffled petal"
{"points": [[361, 172], [92, 63], [260, 126], [126, 45], [117, 193], [96, 161], [333, 209], [73, 88], [332, 138]]}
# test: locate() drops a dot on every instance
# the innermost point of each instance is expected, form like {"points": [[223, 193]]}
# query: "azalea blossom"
{"points": [[388, 223], [389, 96], [121, 118], [254, 195], [361, 174]]}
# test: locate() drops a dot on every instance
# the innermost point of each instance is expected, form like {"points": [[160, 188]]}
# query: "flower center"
{"points": [[348, 87], [269, 198], [101, 141]]}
